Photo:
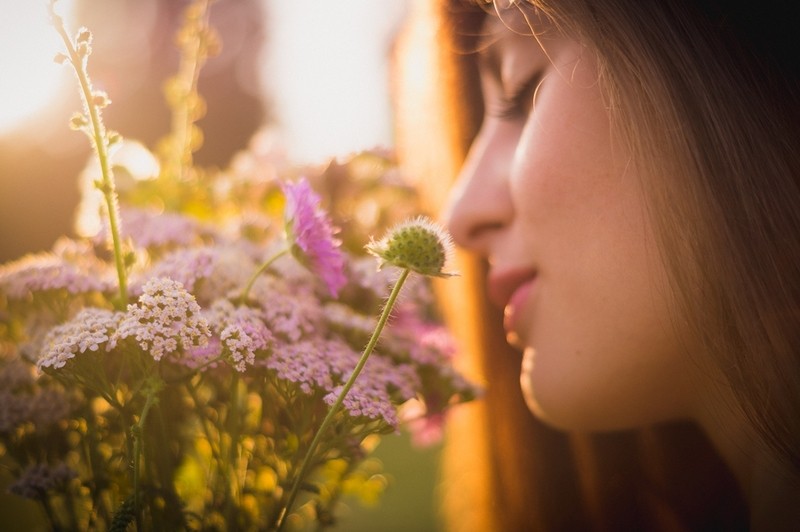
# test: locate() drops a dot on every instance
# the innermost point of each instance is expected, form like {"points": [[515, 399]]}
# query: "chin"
{"points": [[532, 400], [561, 407], [553, 417]]}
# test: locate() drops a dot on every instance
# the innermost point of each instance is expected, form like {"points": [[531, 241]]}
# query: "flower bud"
{"points": [[100, 99], [83, 42], [78, 122], [419, 245], [84, 36], [113, 138], [83, 49], [60, 58]]}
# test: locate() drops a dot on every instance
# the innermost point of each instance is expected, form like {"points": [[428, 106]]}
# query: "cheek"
{"points": [[603, 352]]}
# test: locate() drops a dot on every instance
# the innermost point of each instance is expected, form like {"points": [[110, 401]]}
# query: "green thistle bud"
{"points": [[419, 245]]}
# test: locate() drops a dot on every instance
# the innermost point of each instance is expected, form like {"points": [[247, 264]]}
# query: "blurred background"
{"points": [[314, 72]]}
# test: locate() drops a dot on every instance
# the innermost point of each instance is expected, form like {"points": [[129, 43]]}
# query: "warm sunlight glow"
{"points": [[132, 161], [30, 77], [326, 74]]}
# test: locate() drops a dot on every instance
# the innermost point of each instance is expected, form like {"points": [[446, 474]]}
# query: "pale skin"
{"points": [[556, 206]]}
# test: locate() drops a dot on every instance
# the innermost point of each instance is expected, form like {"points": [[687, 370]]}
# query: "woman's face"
{"points": [[556, 206]]}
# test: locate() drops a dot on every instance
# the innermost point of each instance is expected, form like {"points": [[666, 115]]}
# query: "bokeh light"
{"points": [[30, 77], [325, 72]]}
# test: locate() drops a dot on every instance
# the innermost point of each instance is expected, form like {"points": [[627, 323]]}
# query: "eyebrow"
{"points": [[490, 61]]}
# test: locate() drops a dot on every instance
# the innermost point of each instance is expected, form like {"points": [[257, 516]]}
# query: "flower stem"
{"points": [[334, 409], [183, 99], [233, 451], [151, 397], [259, 271], [99, 138]]}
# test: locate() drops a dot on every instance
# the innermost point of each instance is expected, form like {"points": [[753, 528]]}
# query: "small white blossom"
{"points": [[166, 318], [90, 330]]}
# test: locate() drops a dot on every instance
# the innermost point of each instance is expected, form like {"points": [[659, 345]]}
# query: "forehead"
{"points": [[519, 29]]}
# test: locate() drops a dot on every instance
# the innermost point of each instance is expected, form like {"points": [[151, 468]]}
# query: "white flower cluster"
{"points": [[166, 317], [89, 330]]}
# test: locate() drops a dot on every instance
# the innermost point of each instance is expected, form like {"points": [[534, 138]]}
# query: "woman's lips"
{"points": [[512, 310], [509, 290]]}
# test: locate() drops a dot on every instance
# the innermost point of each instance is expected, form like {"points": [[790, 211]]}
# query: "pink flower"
{"points": [[91, 329], [426, 429], [291, 312], [241, 331], [166, 317], [366, 401], [153, 229], [46, 272], [187, 266], [310, 235], [202, 356], [307, 363]]}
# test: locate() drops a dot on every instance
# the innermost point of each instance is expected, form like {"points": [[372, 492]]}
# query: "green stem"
{"points": [[340, 399], [259, 271], [216, 450], [138, 435], [98, 136], [183, 114], [233, 449]]}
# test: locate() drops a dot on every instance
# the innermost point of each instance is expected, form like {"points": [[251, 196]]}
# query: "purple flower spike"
{"points": [[310, 235]]}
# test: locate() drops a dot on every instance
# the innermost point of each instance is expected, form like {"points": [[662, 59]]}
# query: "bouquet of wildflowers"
{"points": [[218, 368]]}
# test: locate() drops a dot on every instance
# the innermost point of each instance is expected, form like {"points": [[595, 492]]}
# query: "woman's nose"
{"points": [[480, 202]]}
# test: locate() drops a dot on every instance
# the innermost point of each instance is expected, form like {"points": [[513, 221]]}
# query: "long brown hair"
{"points": [[706, 96]]}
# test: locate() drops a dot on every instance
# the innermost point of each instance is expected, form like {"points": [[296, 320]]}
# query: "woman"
{"points": [[629, 197]]}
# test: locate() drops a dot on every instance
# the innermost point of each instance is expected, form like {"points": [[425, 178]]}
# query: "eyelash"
{"points": [[517, 105]]}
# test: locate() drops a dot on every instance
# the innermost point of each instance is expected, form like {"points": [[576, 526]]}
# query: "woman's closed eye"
{"points": [[517, 103]]}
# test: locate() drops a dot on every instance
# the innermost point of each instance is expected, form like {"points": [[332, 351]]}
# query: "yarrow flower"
{"points": [[15, 374], [419, 245], [38, 479], [148, 229], [269, 371], [231, 266], [48, 407], [203, 356], [14, 410], [310, 364], [187, 266], [422, 342], [290, 311], [310, 235], [166, 317], [89, 330], [241, 330], [366, 401], [45, 272]]}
